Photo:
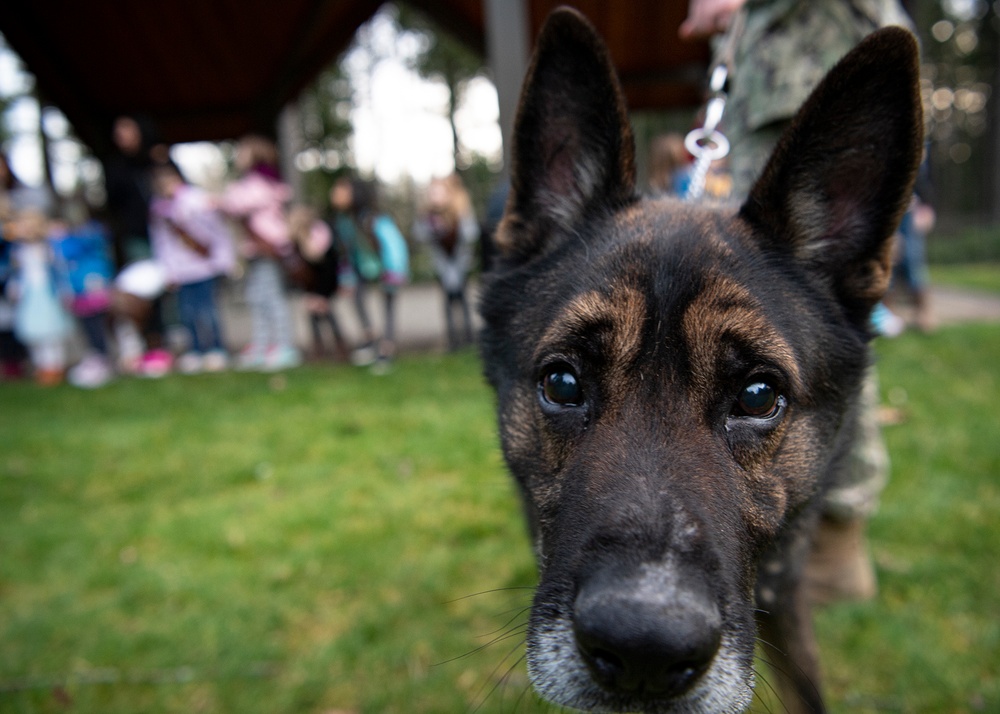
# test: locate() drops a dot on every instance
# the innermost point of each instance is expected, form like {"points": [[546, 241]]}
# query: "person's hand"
{"points": [[923, 218], [708, 17]]}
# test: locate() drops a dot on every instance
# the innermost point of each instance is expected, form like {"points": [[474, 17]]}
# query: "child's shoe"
{"points": [[382, 366], [364, 355], [383, 363], [130, 348], [251, 358], [280, 358], [215, 361], [92, 372], [886, 322], [156, 364], [190, 363], [49, 377]]}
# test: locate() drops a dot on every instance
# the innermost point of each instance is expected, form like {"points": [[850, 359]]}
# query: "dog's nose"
{"points": [[643, 640]]}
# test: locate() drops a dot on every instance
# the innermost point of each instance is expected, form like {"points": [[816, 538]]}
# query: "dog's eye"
{"points": [[759, 400], [561, 387]]}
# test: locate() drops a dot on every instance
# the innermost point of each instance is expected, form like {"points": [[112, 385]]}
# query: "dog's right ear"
{"points": [[573, 151]]}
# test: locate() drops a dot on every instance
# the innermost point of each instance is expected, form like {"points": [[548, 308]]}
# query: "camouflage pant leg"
{"points": [[749, 156], [856, 492]]}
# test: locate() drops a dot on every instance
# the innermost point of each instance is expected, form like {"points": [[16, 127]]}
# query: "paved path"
{"points": [[951, 305], [420, 314], [419, 317]]}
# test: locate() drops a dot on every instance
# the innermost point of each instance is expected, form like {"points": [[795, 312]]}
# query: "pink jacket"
{"points": [[191, 210], [260, 202]]}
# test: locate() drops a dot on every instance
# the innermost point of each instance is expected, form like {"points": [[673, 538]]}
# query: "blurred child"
{"points": [[377, 252], [909, 272], [128, 186], [257, 201], [669, 165], [36, 285], [448, 227], [137, 292], [12, 353], [314, 242], [192, 243], [83, 246]]}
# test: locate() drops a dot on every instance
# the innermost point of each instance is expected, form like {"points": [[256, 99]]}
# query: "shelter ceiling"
{"points": [[215, 69]]}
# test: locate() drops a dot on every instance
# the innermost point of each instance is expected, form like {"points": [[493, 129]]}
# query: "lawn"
{"points": [[975, 276], [330, 541]]}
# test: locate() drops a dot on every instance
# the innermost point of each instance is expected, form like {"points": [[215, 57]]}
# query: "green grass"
{"points": [[968, 244], [979, 276], [931, 643], [332, 541], [290, 544]]}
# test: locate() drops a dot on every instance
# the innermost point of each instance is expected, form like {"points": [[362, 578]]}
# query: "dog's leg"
{"points": [[785, 627]]}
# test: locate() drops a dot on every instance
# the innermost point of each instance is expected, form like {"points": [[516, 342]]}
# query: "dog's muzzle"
{"points": [[647, 634]]}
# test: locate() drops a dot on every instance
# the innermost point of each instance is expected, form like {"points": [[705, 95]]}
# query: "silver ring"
{"points": [[701, 143]]}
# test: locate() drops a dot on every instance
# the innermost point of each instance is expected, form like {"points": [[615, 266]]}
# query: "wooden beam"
{"points": [[507, 51]]}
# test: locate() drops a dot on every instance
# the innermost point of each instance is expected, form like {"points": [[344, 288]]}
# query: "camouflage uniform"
{"points": [[783, 50], [780, 52]]}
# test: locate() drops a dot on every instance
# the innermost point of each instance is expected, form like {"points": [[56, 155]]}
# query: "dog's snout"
{"points": [[639, 639]]}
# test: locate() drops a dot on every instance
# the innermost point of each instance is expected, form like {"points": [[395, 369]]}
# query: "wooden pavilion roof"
{"points": [[215, 69]]}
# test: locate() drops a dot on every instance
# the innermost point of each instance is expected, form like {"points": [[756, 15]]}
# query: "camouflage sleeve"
{"points": [[784, 49]]}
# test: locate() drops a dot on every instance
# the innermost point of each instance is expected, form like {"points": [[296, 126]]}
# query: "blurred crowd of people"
{"points": [[164, 247], [66, 278]]}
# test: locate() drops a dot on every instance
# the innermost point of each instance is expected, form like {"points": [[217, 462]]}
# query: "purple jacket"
{"points": [[192, 210]]}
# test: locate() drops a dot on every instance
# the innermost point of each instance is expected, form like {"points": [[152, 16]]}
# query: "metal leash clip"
{"points": [[706, 144]]}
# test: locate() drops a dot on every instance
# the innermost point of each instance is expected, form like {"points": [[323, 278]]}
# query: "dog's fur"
{"points": [[677, 385]]}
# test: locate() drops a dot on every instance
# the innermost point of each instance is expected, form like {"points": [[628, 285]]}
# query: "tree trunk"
{"points": [[452, 80], [993, 109]]}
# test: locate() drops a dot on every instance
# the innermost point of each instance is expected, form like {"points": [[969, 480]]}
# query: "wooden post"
{"points": [[45, 144], [507, 50], [290, 143]]}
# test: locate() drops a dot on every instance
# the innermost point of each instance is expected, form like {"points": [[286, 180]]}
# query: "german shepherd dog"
{"points": [[677, 384]]}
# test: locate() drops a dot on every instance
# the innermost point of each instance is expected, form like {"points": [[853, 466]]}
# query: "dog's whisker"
{"points": [[773, 647], [795, 665], [524, 690], [497, 682], [760, 676], [512, 588], [516, 610], [516, 632], [509, 622], [777, 669]]}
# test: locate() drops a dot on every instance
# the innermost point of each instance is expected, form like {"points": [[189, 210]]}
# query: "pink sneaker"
{"points": [[281, 358], [250, 358], [156, 364]]}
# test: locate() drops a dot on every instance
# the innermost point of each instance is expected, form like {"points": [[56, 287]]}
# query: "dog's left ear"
{"points": [[573, 151], [842, 175]]}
